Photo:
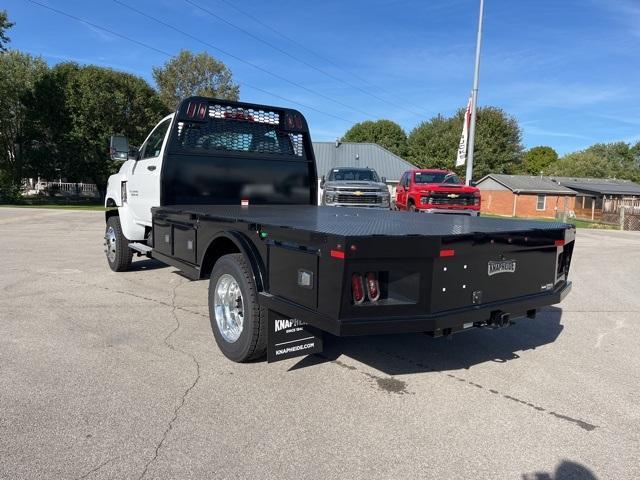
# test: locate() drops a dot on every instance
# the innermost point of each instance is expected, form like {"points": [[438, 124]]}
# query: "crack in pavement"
{"points": [[580, 423], [169, 345], [130, 294], [95, 469], [186, 393]]}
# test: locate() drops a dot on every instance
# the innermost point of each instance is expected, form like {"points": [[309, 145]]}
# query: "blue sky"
{"points": [[568, 70]]}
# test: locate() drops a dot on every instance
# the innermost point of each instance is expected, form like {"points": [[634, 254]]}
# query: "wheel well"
{"points": [[111, 203], [411, 201], [110, 213], [219, 247]]}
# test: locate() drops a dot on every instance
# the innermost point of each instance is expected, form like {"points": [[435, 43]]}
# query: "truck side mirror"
{"points": [[384, 179], [119, 148], [322, 180]]}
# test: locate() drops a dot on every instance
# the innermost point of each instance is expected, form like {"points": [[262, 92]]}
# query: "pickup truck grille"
{"points": [[359, 199], [463, 199]]}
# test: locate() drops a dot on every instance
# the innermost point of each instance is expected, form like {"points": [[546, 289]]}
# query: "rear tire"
{"points": [[116, 245], [239, 324]]}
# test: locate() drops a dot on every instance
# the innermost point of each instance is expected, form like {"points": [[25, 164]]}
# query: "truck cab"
{"points": [[354, 187], [135, 189], [436, 191], [211, 154]]}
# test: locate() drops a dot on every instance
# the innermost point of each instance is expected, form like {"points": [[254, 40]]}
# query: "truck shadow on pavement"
{"points": [[416, 353]]}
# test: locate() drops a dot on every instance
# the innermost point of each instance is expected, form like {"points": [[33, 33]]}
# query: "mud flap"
{"points": [[288, 337]]}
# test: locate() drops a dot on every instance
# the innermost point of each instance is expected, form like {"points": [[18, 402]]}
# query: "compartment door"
{"points": [[184, 242], [293, 274]]}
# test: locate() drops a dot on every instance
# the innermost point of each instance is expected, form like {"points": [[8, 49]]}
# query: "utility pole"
{"points": [[474, 98]]}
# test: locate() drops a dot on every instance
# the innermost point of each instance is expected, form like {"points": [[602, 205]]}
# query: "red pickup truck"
{"points": [[436, 191]]}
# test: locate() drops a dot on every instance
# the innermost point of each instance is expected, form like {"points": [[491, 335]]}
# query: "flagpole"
{"points": [[474, 98]]}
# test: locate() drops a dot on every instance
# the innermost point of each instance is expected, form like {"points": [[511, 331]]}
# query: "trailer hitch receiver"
{"points": [[499, 319]]}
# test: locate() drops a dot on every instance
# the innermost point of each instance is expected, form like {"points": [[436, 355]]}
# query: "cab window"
{"points": [[153, 145]]}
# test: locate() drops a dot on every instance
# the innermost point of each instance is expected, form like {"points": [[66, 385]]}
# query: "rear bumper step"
{"points": [[452, 319]]}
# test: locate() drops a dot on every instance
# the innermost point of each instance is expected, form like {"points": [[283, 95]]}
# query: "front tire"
{"points": [[116, 246], [239, 324]]}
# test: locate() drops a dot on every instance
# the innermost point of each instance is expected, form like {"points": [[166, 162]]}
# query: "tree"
{"points": [[538, 159], [602, 160], [5, 25], [187, 74], [19, 72], [82, 106], [385, 133], [498, 142]]}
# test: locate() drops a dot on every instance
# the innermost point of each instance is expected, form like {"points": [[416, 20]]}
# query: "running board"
{"points": [[141, 248]]}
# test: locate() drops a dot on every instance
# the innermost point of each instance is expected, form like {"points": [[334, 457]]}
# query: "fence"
{"points": [[624, 217], [65, 189], [614, 204]]}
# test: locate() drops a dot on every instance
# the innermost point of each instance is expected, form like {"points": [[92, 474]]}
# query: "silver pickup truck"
{"points": [[354, 187]]}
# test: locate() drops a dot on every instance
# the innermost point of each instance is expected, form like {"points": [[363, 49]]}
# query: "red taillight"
{"points": [[559, 243], [447, 253], [337, 254], [357, 288], [191, 109], [373, 288], [202, 111]]}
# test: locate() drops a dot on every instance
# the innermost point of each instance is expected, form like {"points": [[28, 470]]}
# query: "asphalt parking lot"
{"points": [[106, 375]]}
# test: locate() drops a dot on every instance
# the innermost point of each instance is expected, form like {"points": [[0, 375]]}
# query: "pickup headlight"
{"points": [[330, 196]]}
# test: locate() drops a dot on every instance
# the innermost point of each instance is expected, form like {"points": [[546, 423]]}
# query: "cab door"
{"points": [[143, 184], [401, 192]]}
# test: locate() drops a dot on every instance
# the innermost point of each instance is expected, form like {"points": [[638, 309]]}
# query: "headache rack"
{"points": [[207, 125]]}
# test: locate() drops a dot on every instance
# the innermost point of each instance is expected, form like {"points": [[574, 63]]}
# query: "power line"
{"points": [[294, 57], [316, 54], [258, 67], [167, 54]]}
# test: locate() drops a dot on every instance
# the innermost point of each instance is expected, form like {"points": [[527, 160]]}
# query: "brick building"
{"points": [[525, 196]]}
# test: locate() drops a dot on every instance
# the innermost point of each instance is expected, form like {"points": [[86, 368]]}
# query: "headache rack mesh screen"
{"points": [[240, 130]]}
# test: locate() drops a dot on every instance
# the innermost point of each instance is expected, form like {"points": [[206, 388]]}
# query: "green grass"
{"points": [[574, 221], [61, 207]]}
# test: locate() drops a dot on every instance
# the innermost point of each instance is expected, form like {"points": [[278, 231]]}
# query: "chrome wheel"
{"points": [[110, 244], [228, 308]]}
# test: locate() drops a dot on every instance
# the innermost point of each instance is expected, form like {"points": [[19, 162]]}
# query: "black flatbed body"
{"points": [[361, 222], [239, 178], [434, 266]]}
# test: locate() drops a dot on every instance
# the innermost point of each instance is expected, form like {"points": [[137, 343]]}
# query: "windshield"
{"points": [[436, 177], [352, 174]]}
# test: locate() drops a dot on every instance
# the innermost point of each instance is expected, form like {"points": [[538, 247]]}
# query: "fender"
{"points": [[113, 197], [244, 246]]}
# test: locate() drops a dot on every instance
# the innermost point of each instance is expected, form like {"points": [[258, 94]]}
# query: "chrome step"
{"points": [[141, 248]]}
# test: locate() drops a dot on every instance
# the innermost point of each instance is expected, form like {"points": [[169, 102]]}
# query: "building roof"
{"points": [[351, 154], [599, 186], [528, 184]]}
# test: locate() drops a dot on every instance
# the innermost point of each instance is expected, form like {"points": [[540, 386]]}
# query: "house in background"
{"points": [[601, 198], [525, 196], [350, 154]]}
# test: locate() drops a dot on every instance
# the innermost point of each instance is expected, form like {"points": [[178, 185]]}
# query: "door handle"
{"points": [[151, 168]]}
